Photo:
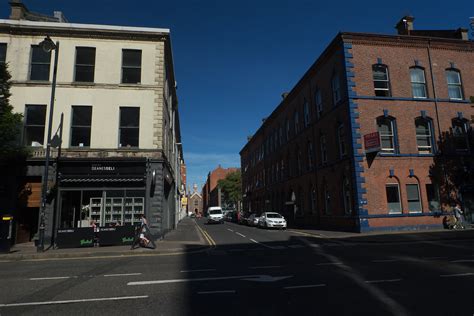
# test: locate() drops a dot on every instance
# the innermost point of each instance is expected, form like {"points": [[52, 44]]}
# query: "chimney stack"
{"points": [[18, 10], [405, 25]]}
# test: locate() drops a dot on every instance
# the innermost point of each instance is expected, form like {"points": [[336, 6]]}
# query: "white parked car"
{"points": [[215, 215], [272, 220]]}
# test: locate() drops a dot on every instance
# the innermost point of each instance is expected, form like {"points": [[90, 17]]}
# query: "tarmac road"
{"points": [[251, 271]]}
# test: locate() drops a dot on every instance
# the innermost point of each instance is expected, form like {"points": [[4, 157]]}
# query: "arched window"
{"points": [[453, 77], [387, 131], [413, 198], [381, 80], [424, 135], [460, 135], [392, 190], [347, 196], [418, 82]]}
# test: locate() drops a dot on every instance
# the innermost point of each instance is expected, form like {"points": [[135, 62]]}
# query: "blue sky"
{"points": [[233, 59]]}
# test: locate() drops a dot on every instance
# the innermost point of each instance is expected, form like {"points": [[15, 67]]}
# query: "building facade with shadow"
{"points": [[376, 135], [116, 117]]}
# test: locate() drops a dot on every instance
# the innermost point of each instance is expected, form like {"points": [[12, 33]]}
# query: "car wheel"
{"points": [[266, 225]]}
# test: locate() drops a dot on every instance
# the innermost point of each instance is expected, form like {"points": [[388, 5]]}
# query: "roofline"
{"points": [[79, 26], [343, 36]]}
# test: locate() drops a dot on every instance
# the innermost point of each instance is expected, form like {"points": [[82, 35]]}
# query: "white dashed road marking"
{"points": [[75, 301]]}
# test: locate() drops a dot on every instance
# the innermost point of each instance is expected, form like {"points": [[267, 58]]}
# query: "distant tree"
{"points": [[10, 123], [231, 188]]}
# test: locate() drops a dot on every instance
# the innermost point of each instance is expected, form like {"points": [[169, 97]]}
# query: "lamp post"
{"points": [[47, 45]]}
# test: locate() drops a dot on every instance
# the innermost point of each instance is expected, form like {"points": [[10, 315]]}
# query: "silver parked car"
{"points": [[252, 220]]}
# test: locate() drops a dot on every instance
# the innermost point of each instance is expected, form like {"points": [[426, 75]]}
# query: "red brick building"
{"points": [[409, 96], [211, 195]]}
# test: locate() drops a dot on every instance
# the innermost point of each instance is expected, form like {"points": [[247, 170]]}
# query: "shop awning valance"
{"points": [[102, 179]]}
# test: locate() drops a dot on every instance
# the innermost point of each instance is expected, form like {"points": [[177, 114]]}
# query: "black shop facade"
{"points": [[112, 194]]}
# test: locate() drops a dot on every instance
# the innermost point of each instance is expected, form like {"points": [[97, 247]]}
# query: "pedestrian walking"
{"points": [[459, 214]]}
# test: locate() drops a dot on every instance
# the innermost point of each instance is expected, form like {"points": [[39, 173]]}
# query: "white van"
{"points": [[215, 215]]}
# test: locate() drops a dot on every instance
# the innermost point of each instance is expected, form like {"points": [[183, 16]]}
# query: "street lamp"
{"points": [[47, 45]]}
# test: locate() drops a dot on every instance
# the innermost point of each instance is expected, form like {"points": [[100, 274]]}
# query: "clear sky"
{"points": [[234, 58]]}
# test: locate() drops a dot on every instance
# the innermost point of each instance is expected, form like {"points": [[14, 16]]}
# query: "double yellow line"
{"points": [[208, 237]]}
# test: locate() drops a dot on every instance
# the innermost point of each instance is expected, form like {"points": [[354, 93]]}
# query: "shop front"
{"points": [[105, 197]]}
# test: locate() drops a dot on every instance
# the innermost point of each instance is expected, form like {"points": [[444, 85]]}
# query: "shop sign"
{"points": [[372, 142], [95, 167]]}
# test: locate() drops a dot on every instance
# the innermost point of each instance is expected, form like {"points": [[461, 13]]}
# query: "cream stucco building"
{"points": [[121, 143]]}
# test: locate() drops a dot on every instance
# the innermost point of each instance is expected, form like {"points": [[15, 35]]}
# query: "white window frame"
{"points": [[399, 197], [457, 85], [423, 83], [391, 135], [387, 81], [425, 149], [419, 199]]}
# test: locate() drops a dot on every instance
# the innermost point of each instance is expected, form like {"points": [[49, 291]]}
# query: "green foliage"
{"points": [[231, 187], [10, 123]]}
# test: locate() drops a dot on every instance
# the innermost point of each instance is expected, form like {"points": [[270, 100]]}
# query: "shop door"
{"points": [[468, 201]]}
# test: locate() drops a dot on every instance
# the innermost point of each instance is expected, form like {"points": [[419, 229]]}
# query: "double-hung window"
{"points": [[297, 122], [454, 84], [336, 88], [40, 64], [432, 194], [319, 101], [424, 136], [306, 114], [418, 82], [35, 119], [393, 198], [386, 129], [381, 80], [324, 154], [3, 52], [347, 196], [81, 126], [310, 155], [413, 197], [341, 140], [460, 135], [131, 65], [85, 64], [129, 126]]}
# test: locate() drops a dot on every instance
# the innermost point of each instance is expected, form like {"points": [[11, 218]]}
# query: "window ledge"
{"points": [[130, 84], [82, 83]]}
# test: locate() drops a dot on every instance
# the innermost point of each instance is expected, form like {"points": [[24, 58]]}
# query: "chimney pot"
{"points": [[405, 25]]}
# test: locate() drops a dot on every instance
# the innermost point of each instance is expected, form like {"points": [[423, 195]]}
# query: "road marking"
{"points": [[277, 247], [385, 260], [306, 234], [230, 230], [240, 234], [201, 270], [434, 258], [264, 278], [208, 237], [122, 274], [216, 292], [303, 286], [266, 267], [295, 246], [52, 278], [253, 240], [329, 263], [75, 301], [464, 260], [456, 275], [382, 281]]}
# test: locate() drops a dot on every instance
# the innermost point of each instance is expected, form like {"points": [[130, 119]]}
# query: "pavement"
{"points": [[188, 237], [185, 238]]}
